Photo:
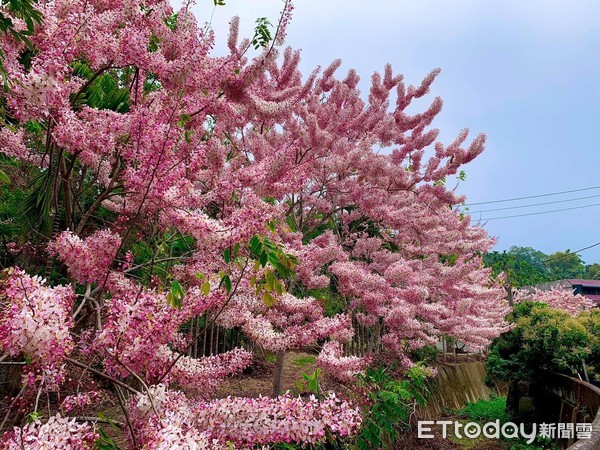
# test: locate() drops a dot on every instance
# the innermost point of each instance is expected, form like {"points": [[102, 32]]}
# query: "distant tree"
{"points": [[522, 266], [526, 266], [565, 265], [592, 271]]}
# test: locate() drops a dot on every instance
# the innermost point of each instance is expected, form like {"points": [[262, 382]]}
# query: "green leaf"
{"points": [[175, 295], [278, 286], [255, 245], [313, 385], [227, 255], [177, 289], [205, 288], [171, 301], [183, 120], [4, 178], [269, 300], [225, 280], [105, 442], [263, 259], [236, 249], [291, 223]]}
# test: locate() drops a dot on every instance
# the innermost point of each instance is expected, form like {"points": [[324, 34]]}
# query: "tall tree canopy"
{"points": [[526, 266]]}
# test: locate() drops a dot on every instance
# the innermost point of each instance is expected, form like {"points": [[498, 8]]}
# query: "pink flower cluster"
{"points": [[174, 428], [342, 368], [292, 322], [35, 320], [88, 259], [202, 375], [557, 297], [78, 401], [138, 324], [247, 422], [57, 433]]}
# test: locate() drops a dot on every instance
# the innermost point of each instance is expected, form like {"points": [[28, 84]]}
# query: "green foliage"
{"points": [[262, 34], [171, 21], [42, 207], [4, 178], [104, 91], [486, 410], [590, 320], [428, 355], [175, 295], [38, 208], [592, 271], [313, 381], [565, 265], [524, 265], [303, 361], [25, 10], [155, 256], [263, 251], [309, 381], [391, 404], [543, 340], [10, 199], [332, 302], [105, 442]]}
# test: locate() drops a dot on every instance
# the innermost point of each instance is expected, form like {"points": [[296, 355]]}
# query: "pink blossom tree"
{"points": [[557, 297], [156, 168]]}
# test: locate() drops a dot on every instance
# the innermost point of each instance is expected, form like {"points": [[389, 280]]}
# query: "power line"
{"points": [[533, 196], [534, 204], [571, 253], [537, 213]]}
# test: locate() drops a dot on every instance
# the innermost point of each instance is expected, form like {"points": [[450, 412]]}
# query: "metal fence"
{"points": [[215, 339]]}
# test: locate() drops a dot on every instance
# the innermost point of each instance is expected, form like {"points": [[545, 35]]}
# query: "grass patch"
{"points": [[303, 361], [271, 358], [486, 410], [468, 443]]}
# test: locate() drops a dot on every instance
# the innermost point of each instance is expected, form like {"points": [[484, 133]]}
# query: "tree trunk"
{"points": [[509, 295], [585, 372], [278, 376]]}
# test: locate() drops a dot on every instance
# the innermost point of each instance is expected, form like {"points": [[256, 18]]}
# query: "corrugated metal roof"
{"points": [[579, 281]]}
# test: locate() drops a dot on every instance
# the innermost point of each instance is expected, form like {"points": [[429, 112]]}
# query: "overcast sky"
{"points": [[525, 72]]}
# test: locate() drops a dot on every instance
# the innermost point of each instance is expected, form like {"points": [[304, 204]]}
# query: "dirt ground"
{"points": [[258, 378]]}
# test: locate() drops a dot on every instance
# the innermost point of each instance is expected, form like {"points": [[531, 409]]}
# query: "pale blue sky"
{"points": [[524, 72]]}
